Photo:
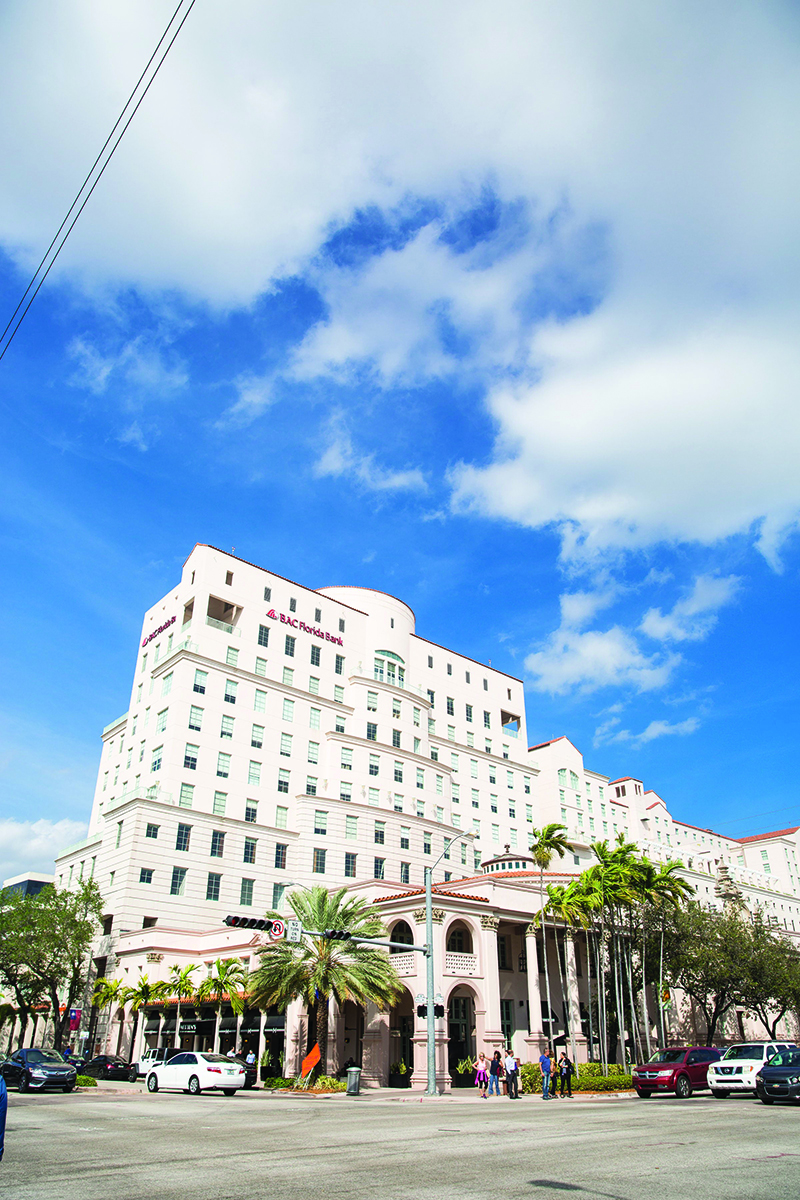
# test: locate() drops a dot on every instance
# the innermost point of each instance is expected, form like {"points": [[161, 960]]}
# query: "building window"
{"points": [[195, 718], [341, 624], [339, 722], [350, 866], [186, 797], [420, 777], [223, 765], [151, 831], [420, 808], [292, 604], [230, 691], [405, 872], [263, 635], [183, 837], [283, 781], [372, 701], [372, 796], [430, 660], [251, 811], [318, 862], [320, 822], [439, 785], [502, 954], [286, 745], [178, 883], [311, 785], [347, 758], [396, 738], [372, 732], [315, 657], [267, 593], [378, 869], [217, 843], [487, 719], [260, 701], [339, 667], [231, 657], [281, 817], [374, 763], [254, 773], [338, 694], [161, 720], [226, 728], [288, 710], [257, 737], [212, 886], [280, 856], [261, 666], [431, 698], [190, 757], [380, 833], [313, 752], [313, 720], [451, 706], [469, 713], [289, 644], [220, 800], [398, 772], [145, 875], [426, 843], [313, 685], [250, 849], [405, 837], [246, 893], [288, 677]]}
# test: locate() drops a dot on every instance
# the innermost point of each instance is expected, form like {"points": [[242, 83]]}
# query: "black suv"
{"points": [[35, 1070]]}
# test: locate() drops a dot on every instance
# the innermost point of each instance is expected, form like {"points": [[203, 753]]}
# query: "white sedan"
{"points": [[196, 1073]]}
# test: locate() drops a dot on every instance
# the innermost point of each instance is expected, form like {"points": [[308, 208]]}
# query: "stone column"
{"points": [[577, 1038], [536, 1039], [419, 1078], [492, 1031], [293, 1049], [335, 1037], [375, 1063]]}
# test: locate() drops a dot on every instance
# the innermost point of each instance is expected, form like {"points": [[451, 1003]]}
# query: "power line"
{"points": [[17, 317]]}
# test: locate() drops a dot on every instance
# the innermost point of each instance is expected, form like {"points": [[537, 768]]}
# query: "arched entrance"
{"points": [[401, 932], [401, 1037], [460, 1026], [459, 939], [353, 1034]]}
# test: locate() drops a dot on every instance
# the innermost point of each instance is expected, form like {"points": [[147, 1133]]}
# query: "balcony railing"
{"points": [[404, 964], [460, 964], [224, 626]]}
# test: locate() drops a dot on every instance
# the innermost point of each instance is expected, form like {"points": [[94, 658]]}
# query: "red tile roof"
{"points": [[624, 779], [760, 837], [436, 892]]}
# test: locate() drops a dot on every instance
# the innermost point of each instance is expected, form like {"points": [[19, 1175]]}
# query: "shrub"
{"points": [[86, 1081], [590, 1079], [278, 1083], [326, 1083]]}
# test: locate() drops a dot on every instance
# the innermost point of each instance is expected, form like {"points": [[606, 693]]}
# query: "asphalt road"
{"points": [[94, 1146]]}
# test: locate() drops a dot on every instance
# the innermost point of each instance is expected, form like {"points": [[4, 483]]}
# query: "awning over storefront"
{"points": [[169, 1025], [227, 1025], [152, 1024], [204, 1028], [273, 1023]]}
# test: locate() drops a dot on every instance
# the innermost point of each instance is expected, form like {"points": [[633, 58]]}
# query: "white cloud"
{"points": [[693, 617], [33, 845], [593, 659], [608, 731], [143, 364], [339, 458]]}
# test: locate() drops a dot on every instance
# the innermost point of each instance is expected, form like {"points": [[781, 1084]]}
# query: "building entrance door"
{"points": [[460, 1027]]}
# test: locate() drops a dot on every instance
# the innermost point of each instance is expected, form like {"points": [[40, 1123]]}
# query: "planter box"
{"points": [[400, 1081], [462, 1079]]}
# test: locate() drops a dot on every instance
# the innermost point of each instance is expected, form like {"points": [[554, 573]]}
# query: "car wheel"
{"points": [[194, 1086], [683, 1089], [765, 1100], [643, 1095], [24, 1083], [719, 1095], [133, 1075], [229, 1091], [152, 1083]]}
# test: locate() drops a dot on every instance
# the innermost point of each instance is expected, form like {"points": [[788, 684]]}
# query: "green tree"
{"points": [[317, 967], [705, 952], [181, 986], [770, 977], [227, 981], [107, 993], [545, 844], [15, 944], [140, 994], [62, 925]]}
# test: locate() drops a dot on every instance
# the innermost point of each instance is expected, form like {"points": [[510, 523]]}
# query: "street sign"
{"points": [[277, 931], [294, 931]]}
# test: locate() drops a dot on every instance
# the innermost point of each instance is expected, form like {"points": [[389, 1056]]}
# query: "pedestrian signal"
{"points": [[422, 1010], [338, 935], [249, 923]]}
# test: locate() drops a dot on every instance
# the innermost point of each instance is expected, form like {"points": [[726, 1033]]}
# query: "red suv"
{"points": [[678, 1069]]}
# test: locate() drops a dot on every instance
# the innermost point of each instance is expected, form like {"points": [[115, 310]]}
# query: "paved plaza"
{"points": [[130, 1145]]}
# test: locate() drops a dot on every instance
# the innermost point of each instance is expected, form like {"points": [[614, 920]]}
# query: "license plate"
{"points": [[230, 1072]]}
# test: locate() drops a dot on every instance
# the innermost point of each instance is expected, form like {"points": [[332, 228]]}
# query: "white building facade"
{"points": [[279, 735]]}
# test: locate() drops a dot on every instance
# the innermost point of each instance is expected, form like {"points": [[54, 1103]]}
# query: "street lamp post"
{"points": [[431, 1024]]}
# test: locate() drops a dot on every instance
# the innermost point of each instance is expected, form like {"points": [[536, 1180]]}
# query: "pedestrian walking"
{"points": [[545, 1066], [3, 1107], [566, 1070], [495, 1072], [482, 1074], [511, 1067]]}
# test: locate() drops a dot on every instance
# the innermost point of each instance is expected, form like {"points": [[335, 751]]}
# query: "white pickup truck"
{"points": [[153, 1056]]}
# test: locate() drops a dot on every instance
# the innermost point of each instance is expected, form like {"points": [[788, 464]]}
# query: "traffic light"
{"points": [[422, 1010], [438, 1010], [249, 923], [338, 935]]}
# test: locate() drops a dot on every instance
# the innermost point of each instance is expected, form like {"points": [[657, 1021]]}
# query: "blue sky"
{"points": [[494, 310]]}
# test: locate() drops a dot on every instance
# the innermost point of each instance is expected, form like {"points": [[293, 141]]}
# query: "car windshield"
{"points": [[785, 1058], [750, 1051], [667, 1056], [214, 1057], [45, 1056]]}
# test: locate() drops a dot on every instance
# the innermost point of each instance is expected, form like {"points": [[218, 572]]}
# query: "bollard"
{"points": [[353, 1080]]}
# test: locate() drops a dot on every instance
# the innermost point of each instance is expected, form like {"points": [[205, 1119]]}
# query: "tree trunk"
{"points": [[644, 994], [176, 1034], [23, 1025], [322, 1033], [121, 1015], [133, 1036], [589, 992], [546, 968], [58, 1020], [564, 1003], [217, 1019]]}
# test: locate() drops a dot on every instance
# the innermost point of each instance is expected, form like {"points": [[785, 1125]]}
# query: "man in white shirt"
{"points": [[511, 1067]]}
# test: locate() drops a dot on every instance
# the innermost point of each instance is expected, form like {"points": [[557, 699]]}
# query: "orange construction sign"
{"points": [[310, 1061]]}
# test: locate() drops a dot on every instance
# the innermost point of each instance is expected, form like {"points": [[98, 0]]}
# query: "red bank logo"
{"points": [[312, 629], [160, 629]]}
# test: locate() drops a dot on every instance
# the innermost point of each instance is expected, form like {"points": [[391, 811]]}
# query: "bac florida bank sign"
{"points": [[284, 619]]}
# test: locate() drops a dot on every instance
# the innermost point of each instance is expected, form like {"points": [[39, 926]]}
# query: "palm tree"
{"points": [[545, 843], [106, 993], [228, 980], [181, 986], [143, 992], [318, 967]]}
